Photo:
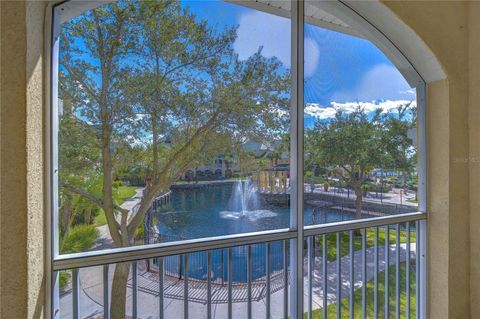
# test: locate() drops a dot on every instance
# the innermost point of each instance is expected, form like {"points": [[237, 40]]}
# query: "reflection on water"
{"points": [[251, 215]]}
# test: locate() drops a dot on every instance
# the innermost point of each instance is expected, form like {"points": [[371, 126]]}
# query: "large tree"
{"points": [[151, 72], [359, 141]]}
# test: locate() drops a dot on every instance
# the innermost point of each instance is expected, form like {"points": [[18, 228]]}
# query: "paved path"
{"points": [[104, 240], [91, 296]]}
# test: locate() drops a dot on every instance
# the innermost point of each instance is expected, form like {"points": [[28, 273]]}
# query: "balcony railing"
{"points": [[367, 268]]}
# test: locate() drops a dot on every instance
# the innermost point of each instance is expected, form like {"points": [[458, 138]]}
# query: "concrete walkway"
{"points": [[91, 295], [104, 240]]}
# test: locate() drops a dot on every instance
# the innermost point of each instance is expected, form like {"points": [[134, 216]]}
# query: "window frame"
{"points": [[60, 11]]}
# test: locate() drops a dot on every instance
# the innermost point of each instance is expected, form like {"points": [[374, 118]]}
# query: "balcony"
{"points": [[349, 270]]}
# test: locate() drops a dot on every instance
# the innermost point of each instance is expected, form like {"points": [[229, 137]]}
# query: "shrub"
{"points": [[64, 278], [79, 238], [326, 185]]}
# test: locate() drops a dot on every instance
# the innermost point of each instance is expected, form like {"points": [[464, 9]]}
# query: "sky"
{"points": [[340, 70]]}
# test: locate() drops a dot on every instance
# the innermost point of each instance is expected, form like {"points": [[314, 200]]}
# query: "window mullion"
{"points": [[296, 159]]}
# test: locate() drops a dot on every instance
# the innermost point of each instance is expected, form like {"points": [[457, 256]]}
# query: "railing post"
{"points": [[76, 293], [161, 277], [106, 293], [134, 290], [209, 284]]}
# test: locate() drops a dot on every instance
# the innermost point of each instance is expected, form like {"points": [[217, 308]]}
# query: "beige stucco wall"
{"points": [[22, 217], [453, 270], [474, 158], [450, 29]]}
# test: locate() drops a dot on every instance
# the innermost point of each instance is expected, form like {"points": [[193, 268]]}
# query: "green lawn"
{"points": [[332, 309], [357, 243], [124, 192]]}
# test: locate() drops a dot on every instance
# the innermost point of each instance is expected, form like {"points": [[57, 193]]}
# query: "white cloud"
{"points": [[326, 112], [257, 29], [380, 82]]}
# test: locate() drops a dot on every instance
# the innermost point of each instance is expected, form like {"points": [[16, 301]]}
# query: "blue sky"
{"points": [[339, 69]]}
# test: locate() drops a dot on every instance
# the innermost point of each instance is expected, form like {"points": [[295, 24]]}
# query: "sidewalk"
{"points": [[104, 241], [91, 295]]}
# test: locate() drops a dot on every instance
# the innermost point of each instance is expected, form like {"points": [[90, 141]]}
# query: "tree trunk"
{"points": [[119, 291], [359, 196], [155, 147]]}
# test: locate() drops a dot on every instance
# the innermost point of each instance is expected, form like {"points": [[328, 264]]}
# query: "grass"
{"points": [[357, 242], [345, 308], [123, 193]]}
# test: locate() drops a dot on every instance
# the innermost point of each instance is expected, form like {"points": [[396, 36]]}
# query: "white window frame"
{"points": [[60, 11]]}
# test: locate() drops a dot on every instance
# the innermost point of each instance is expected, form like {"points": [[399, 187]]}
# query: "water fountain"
{"points": [[245, 202]]}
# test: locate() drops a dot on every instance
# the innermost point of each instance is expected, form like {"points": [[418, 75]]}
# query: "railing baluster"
{"points": [[339, 276], [364, 274], [249, 282], [185, 286], [267, 274], [135, 290], [230, 280], [209, 283], [324, 270], [387, 263], [397, 272], [310, 274], [161, 278], [106, 297], [352, 276], [375, 275], [285, 279], [407, 269], [417, 269], [76, 293]]}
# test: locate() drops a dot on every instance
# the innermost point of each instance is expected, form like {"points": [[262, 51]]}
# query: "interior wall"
{"points": [[443, 27], [22, 215]]}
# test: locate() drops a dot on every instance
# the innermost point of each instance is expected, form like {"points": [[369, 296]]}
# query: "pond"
{"points": [[224, 209]]}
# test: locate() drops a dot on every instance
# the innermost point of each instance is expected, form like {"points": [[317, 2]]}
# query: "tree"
{"points": [[357, 142], [137, 70], [399, 146]]}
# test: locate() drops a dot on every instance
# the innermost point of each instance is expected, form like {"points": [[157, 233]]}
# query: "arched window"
{"points": [[203, 152]]}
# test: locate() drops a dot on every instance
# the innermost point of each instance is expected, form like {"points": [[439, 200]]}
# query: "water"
{"points": [[245, 203], [226, 209]]}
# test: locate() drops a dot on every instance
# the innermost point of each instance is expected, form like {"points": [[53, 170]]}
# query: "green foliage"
{"points": [[100, 219], [385, 188], [355, 143], [64, 278], [125, 192], [79, 238], [140, 231]]}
